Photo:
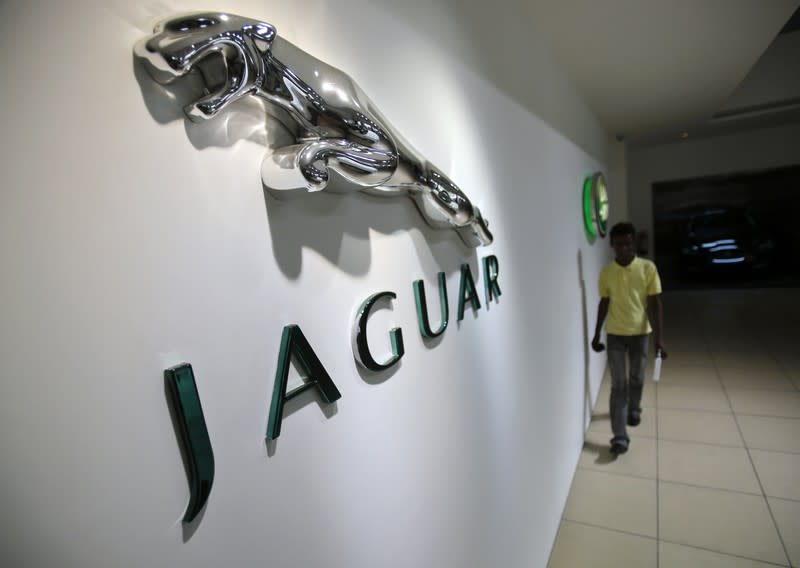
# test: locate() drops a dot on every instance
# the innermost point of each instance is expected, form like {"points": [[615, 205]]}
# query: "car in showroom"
{"points": [[725, 240]]}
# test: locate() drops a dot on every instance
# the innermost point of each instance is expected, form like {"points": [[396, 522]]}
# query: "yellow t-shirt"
{"points": [[627, 288]]}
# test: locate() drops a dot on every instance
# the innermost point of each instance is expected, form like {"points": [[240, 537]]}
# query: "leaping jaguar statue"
{"points": [[341, 140]]}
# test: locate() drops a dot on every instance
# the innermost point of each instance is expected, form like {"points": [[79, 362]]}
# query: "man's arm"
{"points": [[602, 312], [657, 315]]}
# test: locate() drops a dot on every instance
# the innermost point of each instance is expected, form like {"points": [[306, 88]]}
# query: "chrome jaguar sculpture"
{"points": [[341, 140]]}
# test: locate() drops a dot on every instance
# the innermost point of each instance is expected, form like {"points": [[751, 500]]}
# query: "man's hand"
{"points": [[597, 346], [660, 347]]}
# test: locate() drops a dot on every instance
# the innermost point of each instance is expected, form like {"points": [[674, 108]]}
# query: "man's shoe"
{"points": [[634, 417], [619, 445]]}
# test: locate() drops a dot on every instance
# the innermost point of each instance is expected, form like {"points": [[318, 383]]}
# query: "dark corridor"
{"points": [[739, 230]]}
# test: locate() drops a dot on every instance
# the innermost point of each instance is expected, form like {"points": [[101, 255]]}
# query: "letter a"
{"points": [[294, 342], [467, 291]]}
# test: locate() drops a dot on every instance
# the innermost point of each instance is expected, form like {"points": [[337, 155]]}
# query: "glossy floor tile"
{"points": [[712, 476], [613, 501], [693, 398], [722, 521], [699, 426], [787, 517], [704, 465], [768, 433], [779, 473], [756, 379], [688, 359], [793, 373], [679, 556], [583, 545], [688, 376], [765, 403], [746, 361]]}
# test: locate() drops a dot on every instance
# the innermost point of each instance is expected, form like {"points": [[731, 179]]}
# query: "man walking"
{"points": [[629, 286]]}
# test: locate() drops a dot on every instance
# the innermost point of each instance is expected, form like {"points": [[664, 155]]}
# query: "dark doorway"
{"points": [[737, 230]]}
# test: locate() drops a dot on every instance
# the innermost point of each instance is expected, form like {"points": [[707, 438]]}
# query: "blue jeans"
{"points": [[626, 388]]}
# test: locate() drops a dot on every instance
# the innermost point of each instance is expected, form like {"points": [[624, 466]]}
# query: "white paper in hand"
{"points": [[657, 368]]}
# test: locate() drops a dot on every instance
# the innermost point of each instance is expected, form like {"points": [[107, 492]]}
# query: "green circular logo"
{"points": [[595, 205]]}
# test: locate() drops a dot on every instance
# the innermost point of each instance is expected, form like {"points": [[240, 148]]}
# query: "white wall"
{"points": [[131, 241], [617, 182], [743, 152]]}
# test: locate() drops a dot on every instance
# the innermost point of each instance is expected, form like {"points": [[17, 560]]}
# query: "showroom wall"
{"points": [[747, 151], [132, 240]]}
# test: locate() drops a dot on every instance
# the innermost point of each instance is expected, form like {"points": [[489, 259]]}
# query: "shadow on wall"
{"points": [[329, 409], [334, 225], [504, 50], [587, 387]]}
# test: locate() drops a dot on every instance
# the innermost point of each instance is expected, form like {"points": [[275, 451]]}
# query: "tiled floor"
{"points": [[712, 477]]}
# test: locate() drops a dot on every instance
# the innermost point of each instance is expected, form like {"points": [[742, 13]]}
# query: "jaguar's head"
{"points": [[228, 51]]}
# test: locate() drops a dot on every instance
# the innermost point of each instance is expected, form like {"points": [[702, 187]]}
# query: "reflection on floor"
{"points": [[712, 478]]}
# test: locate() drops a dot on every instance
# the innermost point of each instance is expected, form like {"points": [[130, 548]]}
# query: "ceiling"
{"points": [[652, 70]]}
